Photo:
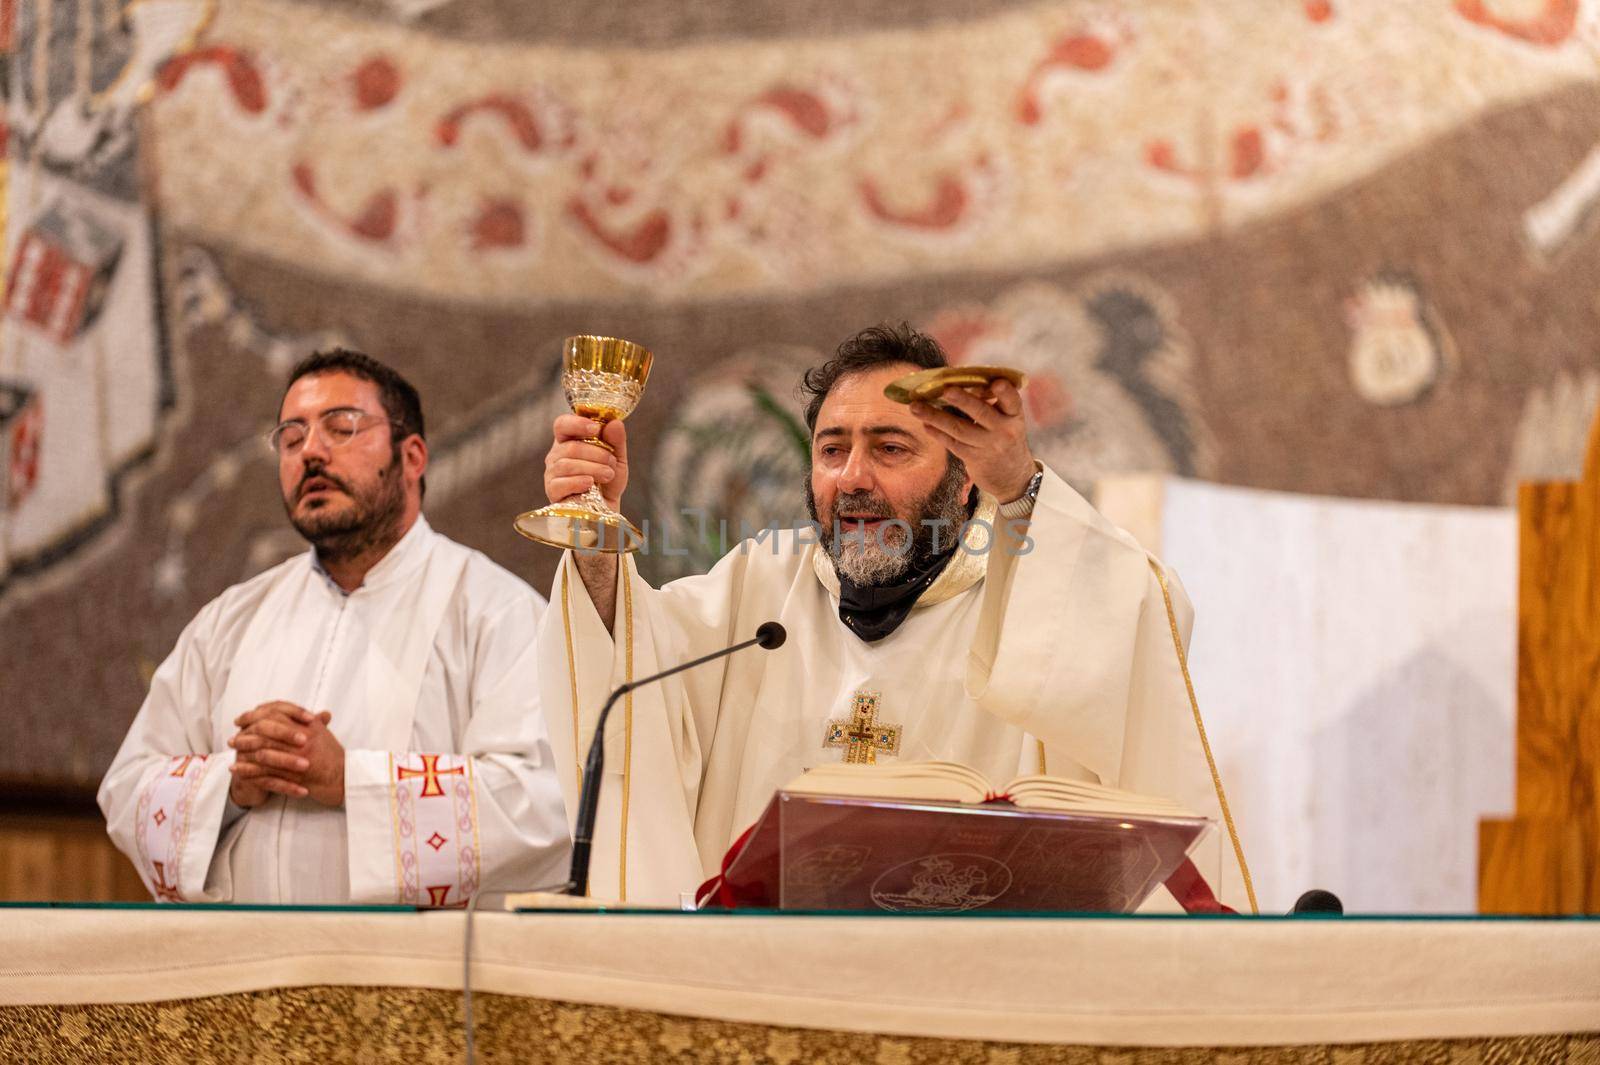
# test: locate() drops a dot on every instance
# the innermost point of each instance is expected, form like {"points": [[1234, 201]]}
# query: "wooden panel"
{"points": [[1558, 648], [1532, 865], [63, 858], [1547, 858], [1591, 823]]}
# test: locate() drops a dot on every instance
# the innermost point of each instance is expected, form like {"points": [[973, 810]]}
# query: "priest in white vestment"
{"points": [[1051, 644], [360, 724]]}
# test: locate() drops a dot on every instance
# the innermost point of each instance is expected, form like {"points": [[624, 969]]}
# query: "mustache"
{"points": [[319, 474], [862, 503]]}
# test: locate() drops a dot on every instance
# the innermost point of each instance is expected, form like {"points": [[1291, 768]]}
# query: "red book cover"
{"points": [[816, 852]]}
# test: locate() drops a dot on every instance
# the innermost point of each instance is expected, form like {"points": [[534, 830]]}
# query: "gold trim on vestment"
{"points": [[964, 570], [627, 706], [572, 666], [1200, 726], [477, 837], [1042, 770], [394, 828]]}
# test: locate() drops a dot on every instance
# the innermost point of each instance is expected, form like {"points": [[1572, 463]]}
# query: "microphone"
{"points": [[769, 637], [1319, 903]]}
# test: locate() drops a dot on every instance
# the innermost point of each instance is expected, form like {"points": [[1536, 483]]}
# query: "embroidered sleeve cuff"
{"points": [[178, 822], [426, 807]]}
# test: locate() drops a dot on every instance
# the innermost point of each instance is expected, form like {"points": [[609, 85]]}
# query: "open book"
{"points": [[953, 782], [936, 837]]}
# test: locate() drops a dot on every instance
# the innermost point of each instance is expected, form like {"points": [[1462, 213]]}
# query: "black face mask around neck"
{"points": [[874, 611]]}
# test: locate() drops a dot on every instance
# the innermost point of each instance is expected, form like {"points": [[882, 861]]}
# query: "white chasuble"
{"points": [[1062, 657], [429, 669]]}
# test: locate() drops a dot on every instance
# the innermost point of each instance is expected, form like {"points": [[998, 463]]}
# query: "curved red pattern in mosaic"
{"points": [[238, 67], [1552, 25]]}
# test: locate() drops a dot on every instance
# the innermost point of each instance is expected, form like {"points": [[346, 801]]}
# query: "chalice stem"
{"points": [[592, 500]]}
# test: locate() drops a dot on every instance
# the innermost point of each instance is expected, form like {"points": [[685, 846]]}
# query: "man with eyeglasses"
{"points": [[360, 723]]}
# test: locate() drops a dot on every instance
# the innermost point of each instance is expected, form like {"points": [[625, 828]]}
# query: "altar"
{"points": [[137, 983]]}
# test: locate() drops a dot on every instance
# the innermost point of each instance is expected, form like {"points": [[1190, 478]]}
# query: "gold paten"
{"points": [[927, 386], [604, 379]]}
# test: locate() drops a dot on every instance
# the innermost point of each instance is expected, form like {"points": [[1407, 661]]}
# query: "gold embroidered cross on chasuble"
{"points": [[860, 734]]}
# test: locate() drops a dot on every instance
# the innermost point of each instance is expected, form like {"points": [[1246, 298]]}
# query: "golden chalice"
{"points": [[604, 378]]}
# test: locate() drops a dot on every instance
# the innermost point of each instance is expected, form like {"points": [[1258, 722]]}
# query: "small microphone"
{"points": [[769, 636], [1317, 901]]}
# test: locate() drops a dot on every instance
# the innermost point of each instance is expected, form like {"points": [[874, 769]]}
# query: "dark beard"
{"points": [[943, 512], [373, 521], [935, 528]]}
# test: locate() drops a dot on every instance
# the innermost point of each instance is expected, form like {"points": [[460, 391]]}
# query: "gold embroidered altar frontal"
{"points": [[350, 1024], [196, 984]]}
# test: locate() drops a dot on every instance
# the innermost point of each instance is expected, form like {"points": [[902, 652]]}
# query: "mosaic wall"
{"points": [[1334, 246]]}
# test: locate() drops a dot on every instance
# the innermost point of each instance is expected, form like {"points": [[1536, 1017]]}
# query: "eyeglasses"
{"points": [[338, 428]]}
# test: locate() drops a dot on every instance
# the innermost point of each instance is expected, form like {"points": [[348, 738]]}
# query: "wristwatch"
{"points": [[1022, 506]]}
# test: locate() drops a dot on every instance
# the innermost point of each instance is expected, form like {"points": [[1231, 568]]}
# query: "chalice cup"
{"points": [[604, 378]]}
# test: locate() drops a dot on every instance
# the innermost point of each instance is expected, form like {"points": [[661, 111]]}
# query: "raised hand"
{"points": [[573, 464], [992, 440]]}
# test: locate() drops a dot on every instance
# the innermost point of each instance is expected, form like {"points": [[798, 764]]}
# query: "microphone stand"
{"points": [[769, 635]]}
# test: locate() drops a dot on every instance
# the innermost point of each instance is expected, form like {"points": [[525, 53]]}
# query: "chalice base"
{"points": [[581, 523]]}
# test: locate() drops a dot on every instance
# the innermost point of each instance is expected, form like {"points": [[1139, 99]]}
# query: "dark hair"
{"points": [[399, 398], [874, 346]]}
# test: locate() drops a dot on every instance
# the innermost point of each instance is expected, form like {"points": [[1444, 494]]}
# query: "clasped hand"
{"points": [[284, 749]]}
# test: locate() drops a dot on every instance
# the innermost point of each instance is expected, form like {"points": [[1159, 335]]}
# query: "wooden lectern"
{"points": [[1546, 859]]}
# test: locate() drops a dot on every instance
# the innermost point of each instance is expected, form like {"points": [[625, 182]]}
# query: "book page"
{"points": [[936, 781], [953, 782], [1056, 793]]}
